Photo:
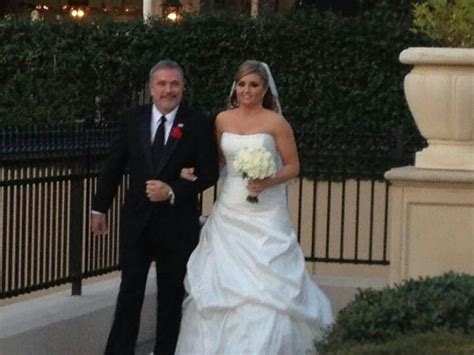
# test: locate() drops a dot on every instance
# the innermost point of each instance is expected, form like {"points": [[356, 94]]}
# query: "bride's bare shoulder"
{"points": [[225, 116], [270, 114], [275, 119]]}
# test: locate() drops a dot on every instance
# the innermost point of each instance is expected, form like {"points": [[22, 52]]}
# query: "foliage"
{"points": [[443, 303], [448, 22], [337, 76], [421, 344]]}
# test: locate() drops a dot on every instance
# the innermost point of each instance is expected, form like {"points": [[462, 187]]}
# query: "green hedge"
{"points": [[444, 303], [331, 71], [430, 343]]}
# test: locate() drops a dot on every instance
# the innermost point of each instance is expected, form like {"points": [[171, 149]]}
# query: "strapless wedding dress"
{"points": [[249, 290]]}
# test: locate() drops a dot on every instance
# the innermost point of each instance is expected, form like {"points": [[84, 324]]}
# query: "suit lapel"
{"points": [[172, 142], [145, 136]]}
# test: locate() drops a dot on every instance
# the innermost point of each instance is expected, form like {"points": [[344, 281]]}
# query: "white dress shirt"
{"points": [[155, 121]]}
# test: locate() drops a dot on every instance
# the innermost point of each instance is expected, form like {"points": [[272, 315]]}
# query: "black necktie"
{"points": [[159, 142]]}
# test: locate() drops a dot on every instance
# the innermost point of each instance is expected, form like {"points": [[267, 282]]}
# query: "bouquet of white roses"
{"points": [[255, 164]]}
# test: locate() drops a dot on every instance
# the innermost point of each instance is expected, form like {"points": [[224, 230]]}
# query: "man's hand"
{"points": [[99, 223], [188, 174], [157, 190]]}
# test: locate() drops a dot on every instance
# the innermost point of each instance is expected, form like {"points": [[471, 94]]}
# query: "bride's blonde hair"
{"points": [[253, 67]]}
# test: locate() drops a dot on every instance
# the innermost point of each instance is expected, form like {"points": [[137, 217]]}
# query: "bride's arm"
{"points": [[219, 130], [286, 146]]}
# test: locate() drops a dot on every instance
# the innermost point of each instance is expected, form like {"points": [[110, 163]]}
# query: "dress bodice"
{"points": [[234, 191], [232, 143]]}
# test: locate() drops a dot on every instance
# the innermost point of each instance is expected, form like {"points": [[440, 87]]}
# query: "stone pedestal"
{"points": [[431, 222]]}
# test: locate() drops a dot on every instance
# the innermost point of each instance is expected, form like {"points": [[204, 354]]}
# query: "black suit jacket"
{"points": [[178, 224]]}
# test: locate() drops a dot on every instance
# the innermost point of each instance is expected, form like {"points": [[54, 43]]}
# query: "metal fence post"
{"points": [[75, 242]]}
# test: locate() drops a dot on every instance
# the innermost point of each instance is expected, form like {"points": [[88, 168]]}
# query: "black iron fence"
{"points": [[48, 178]]}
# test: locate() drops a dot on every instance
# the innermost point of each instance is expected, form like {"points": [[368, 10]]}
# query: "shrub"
{"points": [[329, 69], [450, 23], [443, 303], [442, 343]]}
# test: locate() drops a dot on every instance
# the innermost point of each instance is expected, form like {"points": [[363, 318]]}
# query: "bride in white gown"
{"points": [[249, 290]]}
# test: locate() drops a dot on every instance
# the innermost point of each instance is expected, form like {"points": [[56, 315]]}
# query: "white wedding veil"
{"points": [[271, 85]]}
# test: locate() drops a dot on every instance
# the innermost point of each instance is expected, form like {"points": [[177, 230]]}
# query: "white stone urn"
{"points": [[440, 93]]}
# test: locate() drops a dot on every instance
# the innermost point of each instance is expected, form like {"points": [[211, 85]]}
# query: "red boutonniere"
{"points": [[177, 132]]}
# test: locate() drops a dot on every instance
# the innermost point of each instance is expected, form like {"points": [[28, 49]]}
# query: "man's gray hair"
{"points": [[166, 64]]}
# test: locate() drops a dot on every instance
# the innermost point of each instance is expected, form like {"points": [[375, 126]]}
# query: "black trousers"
{"points": [[170, 270]]}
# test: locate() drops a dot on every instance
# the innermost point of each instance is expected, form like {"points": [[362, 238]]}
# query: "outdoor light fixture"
{"points": [[172, 16], [172, 10], [77, 8], [77, 13]]}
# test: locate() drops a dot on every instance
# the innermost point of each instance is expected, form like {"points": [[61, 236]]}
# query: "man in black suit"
{"points": [[160, 220]]}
